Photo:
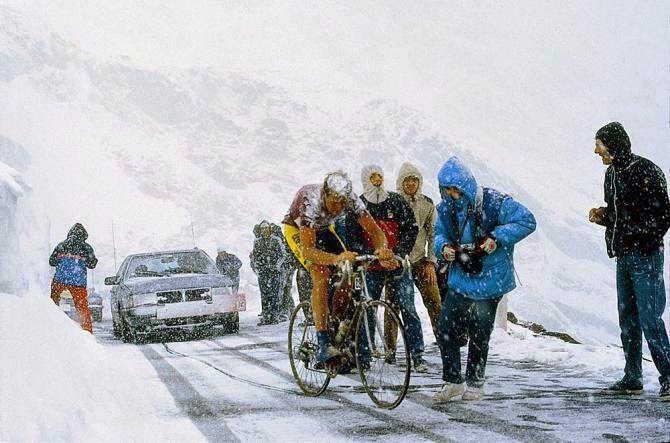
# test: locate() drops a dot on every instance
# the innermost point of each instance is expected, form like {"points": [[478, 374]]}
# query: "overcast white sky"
{"points": [[464, 64]]}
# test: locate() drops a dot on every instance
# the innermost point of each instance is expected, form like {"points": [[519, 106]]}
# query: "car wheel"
{"points": [[127, 332], [116, 329], [234, 328], [117, 324], [231, 324]]}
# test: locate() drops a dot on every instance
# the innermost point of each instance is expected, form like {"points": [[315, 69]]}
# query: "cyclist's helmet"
{"points": [[337, 183]]}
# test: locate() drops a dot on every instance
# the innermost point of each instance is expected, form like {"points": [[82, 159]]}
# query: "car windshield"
{"points": [[162, 265]]}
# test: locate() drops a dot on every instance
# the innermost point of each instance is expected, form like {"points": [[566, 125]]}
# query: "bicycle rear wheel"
{"points": [[302, 346], [385, 371]]}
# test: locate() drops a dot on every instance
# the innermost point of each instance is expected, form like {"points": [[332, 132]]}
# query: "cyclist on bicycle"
{"points": [[309, 231]]}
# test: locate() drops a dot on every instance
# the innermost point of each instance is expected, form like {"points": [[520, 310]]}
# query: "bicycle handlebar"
{"points": [[371, 258], [347, 266]]}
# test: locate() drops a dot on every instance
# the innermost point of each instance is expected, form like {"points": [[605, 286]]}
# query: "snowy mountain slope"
{"points": [[163, 151]]}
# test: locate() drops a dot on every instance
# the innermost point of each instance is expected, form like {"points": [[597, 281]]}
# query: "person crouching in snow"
{"points": [[71, 258], [475, 232], [229, 265]]}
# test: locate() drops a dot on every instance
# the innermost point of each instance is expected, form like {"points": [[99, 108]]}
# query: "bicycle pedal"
{"points": [[333, 366]]}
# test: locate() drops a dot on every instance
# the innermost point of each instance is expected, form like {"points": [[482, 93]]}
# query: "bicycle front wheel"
{"points": [[311, 377], [383, 363]]}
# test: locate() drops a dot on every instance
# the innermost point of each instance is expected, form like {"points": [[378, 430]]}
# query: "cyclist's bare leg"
{"points": [[320, 276], [341, 301]]}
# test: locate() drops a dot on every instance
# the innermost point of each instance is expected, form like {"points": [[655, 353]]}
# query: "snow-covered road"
{"points": [[240, 387]]}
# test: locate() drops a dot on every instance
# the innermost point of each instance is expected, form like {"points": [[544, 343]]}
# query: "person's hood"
{"points": [[372, 193], [264, 224], [407, 169], [614, 137], [454, 173], [78, 232]]}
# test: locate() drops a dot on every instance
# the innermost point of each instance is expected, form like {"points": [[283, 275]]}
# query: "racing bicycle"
{"points": [[384, 366]]}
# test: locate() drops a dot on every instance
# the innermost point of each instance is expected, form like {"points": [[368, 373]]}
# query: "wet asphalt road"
{"points": [[240, 387]]}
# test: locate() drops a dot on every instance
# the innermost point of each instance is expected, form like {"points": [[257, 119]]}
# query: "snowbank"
{"points": [[606, 363], [12, 179], [59, 384]]}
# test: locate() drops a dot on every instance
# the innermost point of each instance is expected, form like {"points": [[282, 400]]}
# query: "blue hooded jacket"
{"points": [[71, 258], [513, 223]]}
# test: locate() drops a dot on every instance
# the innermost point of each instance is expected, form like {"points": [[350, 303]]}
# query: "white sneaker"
{"points": [[472, 393], [449, 391]]}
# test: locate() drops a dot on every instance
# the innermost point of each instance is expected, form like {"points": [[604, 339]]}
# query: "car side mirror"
{"points": [[111, 281]]}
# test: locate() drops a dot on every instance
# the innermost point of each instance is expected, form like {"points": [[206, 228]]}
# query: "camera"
{"points": [[471, 258]]}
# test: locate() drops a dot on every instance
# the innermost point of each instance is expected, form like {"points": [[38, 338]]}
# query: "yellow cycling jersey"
{"points": [[292, 235]]}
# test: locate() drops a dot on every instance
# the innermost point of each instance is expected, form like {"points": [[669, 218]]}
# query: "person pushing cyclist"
{"points": [[309, 231]]}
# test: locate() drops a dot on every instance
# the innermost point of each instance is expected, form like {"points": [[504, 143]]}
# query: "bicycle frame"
{"points": [[302, 356], [364, 262]]}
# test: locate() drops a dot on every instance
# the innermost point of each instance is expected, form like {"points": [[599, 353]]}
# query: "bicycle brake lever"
{"points": [[406, 266]]}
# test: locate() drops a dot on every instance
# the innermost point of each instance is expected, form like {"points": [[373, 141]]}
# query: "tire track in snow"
{"points": [[375, 413], [205, 414], [455, 411]]}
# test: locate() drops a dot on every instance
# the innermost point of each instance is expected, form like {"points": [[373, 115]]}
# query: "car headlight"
{"points": [[137, 300]]}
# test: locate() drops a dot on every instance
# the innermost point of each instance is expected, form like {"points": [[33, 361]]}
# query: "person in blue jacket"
{"points": [[71, 258], [475, 233]]}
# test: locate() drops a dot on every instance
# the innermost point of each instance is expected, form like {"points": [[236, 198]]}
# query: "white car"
{"points": [[94, 305], [172, 290]]}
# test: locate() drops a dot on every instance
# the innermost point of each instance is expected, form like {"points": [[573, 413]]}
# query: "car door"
{"points": [[116, 293]]}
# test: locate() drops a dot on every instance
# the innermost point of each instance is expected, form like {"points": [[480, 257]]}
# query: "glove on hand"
{"points": [[489, 245], [449, 253]]}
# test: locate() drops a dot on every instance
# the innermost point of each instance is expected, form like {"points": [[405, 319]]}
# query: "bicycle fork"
{"points": [[378, 327]]}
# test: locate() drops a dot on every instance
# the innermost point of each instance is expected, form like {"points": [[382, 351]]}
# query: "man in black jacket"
{"points": [[636, 218]]}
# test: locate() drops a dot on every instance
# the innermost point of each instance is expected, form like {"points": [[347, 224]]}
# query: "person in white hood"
{"points": [[395, 217], [424, 261]]}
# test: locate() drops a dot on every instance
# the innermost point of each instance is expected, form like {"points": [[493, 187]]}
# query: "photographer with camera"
{"points": [[475, 233]]}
